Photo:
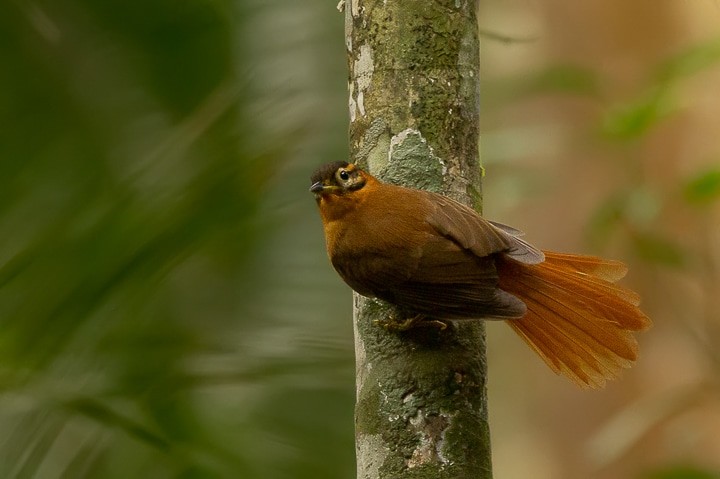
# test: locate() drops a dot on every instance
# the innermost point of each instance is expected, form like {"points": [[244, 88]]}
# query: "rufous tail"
{"points": [[577, 319]]}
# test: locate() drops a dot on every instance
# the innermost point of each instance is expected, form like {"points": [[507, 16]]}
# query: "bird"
{"points": [[438, 260]]}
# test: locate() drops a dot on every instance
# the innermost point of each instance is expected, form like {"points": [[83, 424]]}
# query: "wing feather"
{"points": [[473, 232]]}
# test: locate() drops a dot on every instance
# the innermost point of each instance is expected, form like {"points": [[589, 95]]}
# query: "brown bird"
{"points": [[440, 260]]}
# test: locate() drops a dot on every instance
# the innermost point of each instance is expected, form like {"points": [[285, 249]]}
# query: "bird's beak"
{"points": [[317, 187]]}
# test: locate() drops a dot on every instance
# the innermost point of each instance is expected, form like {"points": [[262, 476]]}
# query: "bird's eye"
{"points": [[344, 175]]}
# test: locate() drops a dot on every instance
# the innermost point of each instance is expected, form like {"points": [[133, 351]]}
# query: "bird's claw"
{"points": [[394, 325]]}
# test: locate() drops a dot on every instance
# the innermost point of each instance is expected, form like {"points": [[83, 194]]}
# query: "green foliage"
{"points": [[633, 119], [694, 60], [153, 315], [668, 222], [656, 248], [636, 208], [704, 187], [571, 79], [636, 212], [561, 78], [682, 472]]}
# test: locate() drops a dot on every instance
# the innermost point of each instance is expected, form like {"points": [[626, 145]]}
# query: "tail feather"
{"points": [[562, 354], [606, 269], [578, 321], [606, 299]]}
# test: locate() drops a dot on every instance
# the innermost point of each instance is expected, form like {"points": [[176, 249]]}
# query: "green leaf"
{"points": [[694, 60], [655, 248], [704, 187], [632, 120]]}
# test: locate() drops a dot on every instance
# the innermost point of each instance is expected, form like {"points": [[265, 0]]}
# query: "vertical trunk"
{"points": [[414, 103]]}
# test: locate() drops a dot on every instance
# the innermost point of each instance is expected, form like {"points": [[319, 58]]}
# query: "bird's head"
{"points": [[339, 188], [337, 179]]}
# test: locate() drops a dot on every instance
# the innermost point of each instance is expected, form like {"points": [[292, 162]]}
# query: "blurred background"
{"points": [[166, 306]]}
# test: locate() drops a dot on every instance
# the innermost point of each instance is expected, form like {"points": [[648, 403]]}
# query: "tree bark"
{"points": [[421, 408]]}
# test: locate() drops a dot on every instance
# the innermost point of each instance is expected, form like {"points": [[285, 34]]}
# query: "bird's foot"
{"points": [[395, 325]]}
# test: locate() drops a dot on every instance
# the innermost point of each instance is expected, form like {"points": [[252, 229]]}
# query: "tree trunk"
{"points": [[421, 407]]}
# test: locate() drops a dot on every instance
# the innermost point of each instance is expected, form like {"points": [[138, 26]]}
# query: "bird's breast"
{"points": [[373, 252]]}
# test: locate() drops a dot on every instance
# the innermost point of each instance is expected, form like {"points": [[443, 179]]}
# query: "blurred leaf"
{"points": [[704, 187], [606, 218], [635, 208], [655, 248], [694, 60], [632, 120], [557, 79], [111, 419], [572, 79], [87, 455], [150, 157], [30, 460], [682, 472]]}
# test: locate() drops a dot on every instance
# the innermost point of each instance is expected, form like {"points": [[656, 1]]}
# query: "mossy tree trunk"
{"points": [[421, 407]]}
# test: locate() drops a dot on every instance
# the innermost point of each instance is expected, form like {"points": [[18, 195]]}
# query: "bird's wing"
{"points": [[453, 283], [432, 275], [474, 233], [439, 263]]}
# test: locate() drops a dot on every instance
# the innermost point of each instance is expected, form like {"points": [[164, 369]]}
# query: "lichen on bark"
{"points": [[415, 65]]}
